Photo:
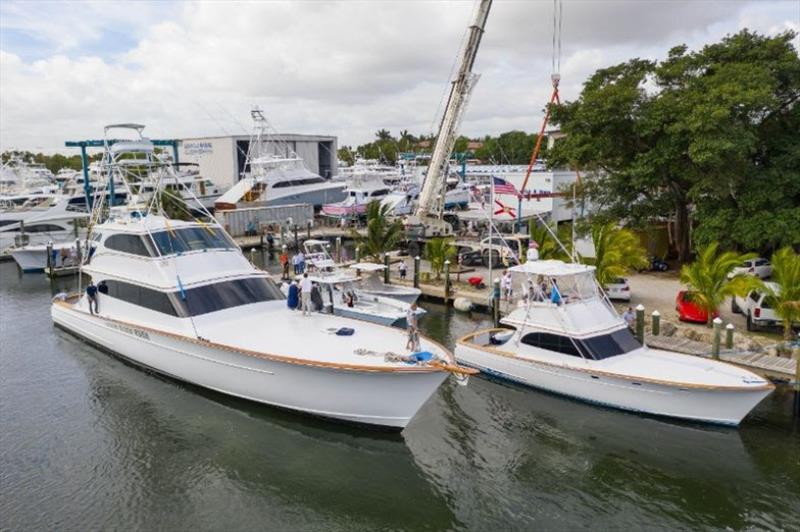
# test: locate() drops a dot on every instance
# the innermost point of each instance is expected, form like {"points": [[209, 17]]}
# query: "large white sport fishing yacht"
{"points": [[568, 339], [277, 176], [179, 297]]}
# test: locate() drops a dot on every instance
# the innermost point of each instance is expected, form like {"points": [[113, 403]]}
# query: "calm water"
{"points": [[88, 443]]}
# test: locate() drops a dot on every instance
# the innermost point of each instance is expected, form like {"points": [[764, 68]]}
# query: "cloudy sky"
{"points": [[344, 68]]}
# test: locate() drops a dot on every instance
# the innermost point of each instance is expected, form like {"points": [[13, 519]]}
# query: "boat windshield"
{"points": [[608, 345], [228, 294], [191, 239]]}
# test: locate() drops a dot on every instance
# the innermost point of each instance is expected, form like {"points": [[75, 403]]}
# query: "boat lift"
{"points": [[83, 144]]}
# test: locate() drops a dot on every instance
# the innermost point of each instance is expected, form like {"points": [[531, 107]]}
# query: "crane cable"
{"points": [[555, 78]]}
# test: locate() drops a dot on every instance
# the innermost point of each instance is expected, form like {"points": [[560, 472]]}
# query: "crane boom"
{"points": [[427, 220]]}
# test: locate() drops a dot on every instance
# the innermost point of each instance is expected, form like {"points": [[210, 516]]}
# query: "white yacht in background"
{"points": [[179, 298], [277, 176], [574, 343], [184, 180], [20, 178], [360, 192]]}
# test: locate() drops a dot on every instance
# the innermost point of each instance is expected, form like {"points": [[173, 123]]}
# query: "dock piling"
{"points": [[717, 325], [296, 242], [338, 249], [729, 336], [656, 317], [446, 282], [496, 303], [386, 269], [416, 271], [640, 323]]}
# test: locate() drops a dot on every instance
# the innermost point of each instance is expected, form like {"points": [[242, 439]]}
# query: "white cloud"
{"points": [[346, 68]]}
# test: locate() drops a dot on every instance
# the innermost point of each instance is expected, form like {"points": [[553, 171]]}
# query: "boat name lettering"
{"points": [[129, 330]]}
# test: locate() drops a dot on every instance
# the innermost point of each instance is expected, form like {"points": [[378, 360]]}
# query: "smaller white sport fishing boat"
{"points": [[360, 192], [340, 295], [178, 297], [370, 283], [568, 339]]}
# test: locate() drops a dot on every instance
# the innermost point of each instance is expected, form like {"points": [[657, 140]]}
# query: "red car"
{"points": [[690, 311]]}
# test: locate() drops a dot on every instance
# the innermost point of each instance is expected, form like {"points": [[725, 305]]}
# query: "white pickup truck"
{"points": [[508, 247], [757, 309]]}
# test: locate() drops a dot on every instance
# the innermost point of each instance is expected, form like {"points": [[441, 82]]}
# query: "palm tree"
{"points": [[548, 246], [437, 251], [383, 134], [617, 251], [784, 291], [382, 235], [707, 277]]}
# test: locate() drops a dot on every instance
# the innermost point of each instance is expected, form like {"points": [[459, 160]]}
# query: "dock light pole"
{"points": [[296, 242], [386, 269], [729, 336], [640, 323], [656, 316], [338, 249], [446, 281], [717, 324], [416, 271]]}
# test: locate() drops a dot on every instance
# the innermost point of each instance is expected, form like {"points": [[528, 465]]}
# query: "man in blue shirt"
{"points": [[91, 295]]}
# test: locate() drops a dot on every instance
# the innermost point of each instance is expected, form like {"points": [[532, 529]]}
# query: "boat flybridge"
{"points": [[179, 297], [568, 339]]}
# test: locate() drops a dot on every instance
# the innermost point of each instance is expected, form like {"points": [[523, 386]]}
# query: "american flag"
{"points": [[501, 186]]}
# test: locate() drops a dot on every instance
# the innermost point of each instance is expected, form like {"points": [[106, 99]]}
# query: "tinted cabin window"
{"points": [[191, 239], [609, 345], [132, 244], [299, 182], [220, 296], [552, 342], [140, 296], [43, 228]]}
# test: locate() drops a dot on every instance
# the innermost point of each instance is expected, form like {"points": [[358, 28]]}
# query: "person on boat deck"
{"points": [[533, 251], [64, 253], [555, 294], [411, 326], [270, 242], [292, 299], [348, 299], [91, 296], [284, 260], [629, 317], [305, 293], [402, 269]]}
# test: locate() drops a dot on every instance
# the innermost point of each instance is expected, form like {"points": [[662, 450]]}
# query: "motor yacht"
{"points": [[568, 339], [360, 192], [277, 175], [179, 298]]}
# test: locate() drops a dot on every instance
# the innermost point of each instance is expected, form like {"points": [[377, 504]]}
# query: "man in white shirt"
{"points": [[305, 293], [506, 284]]}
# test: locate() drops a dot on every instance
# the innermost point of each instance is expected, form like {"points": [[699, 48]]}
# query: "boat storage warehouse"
{"points": [[222, 159]]}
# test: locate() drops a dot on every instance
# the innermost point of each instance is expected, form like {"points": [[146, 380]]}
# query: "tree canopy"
{"points": [[707, 138]]}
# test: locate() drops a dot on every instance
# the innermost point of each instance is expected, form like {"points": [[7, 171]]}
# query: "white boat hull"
{"points": [[372, 397], [706, 404], [406, 295], [32, 259]]}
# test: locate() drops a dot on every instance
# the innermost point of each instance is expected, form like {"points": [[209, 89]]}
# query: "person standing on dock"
{"points": [[628, 316], [284, 260], [91, 296], [301, 261], [506, 284], [305, 293], [296, 263], [402, 269]]}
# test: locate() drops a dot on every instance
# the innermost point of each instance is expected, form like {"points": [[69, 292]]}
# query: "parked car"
{"points": [[618, 289], [688, 310], [757, 308], [759, 267]]}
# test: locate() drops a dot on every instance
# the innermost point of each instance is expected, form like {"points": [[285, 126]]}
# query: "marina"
{"points": [[588, 320]]}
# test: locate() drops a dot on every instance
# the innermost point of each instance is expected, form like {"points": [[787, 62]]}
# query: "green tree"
{"points": [[711, 132], [548, 246], [382, 235], [784, 291], [617, 251], [437, 251], [345, 153], [707, 278], [173, 206]]}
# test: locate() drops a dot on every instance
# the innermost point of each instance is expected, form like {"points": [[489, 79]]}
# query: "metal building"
{"points": [[222, 159]]}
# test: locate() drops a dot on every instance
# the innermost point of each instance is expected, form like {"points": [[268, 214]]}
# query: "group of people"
{"points": [[541, 290], [93, 292], [65, 256], [298, 263], [300, 295]]}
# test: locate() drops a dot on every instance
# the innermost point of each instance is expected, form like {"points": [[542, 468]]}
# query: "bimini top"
{"points": [[368, 267], [551, 268]]}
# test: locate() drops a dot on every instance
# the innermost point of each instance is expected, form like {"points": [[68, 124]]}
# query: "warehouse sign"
{"points": [[197, 148]]}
